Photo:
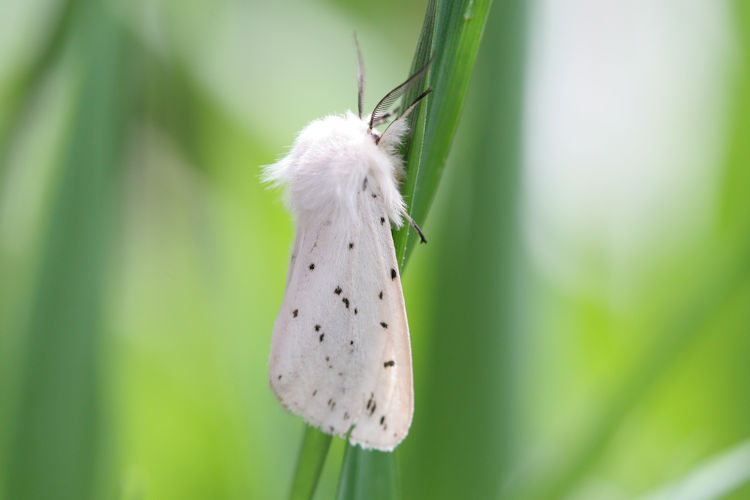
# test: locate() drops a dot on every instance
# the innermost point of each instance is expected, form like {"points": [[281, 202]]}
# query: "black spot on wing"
{"points": [[317, 328], [346, 302], [382, 221], [389, 363], [295, 313], [337, 291], [351, 245], [355, 310], [384, 324], [380, 295], [393, 274], [371, 404], [321, 336], [315, 392], [312, 266]]}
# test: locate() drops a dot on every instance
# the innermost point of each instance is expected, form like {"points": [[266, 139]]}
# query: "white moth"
{"points": [[340, 351]]}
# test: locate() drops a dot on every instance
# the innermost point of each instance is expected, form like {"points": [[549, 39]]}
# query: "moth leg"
{"points": [[416, 228]]}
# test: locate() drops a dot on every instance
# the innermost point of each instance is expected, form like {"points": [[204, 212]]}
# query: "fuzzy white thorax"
{"points": [[329, 162]]}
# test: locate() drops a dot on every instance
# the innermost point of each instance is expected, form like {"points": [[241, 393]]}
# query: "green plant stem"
{"points": [[367, 475], [312, 456]]}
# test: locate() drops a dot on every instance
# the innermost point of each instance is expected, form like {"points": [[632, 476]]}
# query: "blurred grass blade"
{"points": [[56, 450], [736, 176], [458, 30], [17, 98], [178, 105], [312, 456], [367, 475], [712, 479], [727, 269]]}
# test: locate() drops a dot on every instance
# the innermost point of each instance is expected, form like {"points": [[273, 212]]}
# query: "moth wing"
{"points": [[340, 352]]}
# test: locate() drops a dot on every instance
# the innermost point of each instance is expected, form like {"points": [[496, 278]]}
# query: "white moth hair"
{"points": [[330, 161]]}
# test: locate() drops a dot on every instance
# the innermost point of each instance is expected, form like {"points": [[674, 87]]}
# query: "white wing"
{"points": [[340, 353]]}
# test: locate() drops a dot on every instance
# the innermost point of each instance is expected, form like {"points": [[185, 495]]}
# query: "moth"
{"points": [[340, 351]]}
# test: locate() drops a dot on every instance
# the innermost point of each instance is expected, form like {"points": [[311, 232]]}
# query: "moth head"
{"points": [[383, 112]]}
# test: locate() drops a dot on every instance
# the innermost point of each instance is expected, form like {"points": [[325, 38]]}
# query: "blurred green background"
{"points": [[580, 318]]}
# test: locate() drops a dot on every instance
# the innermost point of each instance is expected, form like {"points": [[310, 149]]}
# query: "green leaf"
{"points": [[312, 456], [458, 30], [56, 450]]}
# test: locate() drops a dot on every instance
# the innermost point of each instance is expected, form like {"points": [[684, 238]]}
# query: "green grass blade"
{"points": [[458, 30], [312, 456], [463, 436], [367, 474], [56, 450], [454, 41], [421, 56]]}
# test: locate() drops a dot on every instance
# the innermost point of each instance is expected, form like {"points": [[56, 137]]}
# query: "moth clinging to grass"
{"points": [[340, 351]]}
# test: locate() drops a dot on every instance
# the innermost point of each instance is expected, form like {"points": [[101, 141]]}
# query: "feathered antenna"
{"points": [[381, 110], [405, 114]]}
